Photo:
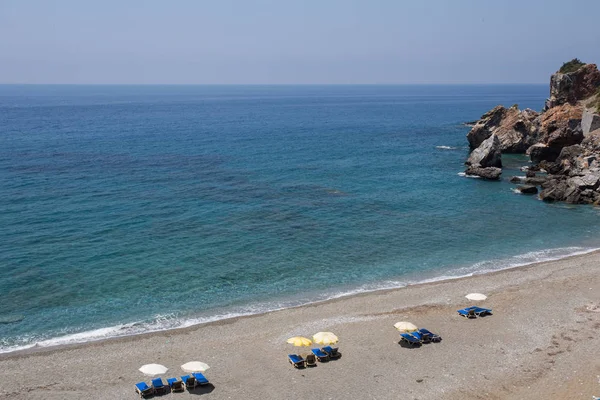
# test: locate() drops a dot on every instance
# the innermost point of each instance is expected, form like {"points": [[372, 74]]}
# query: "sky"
{"points": [[293, 42]]}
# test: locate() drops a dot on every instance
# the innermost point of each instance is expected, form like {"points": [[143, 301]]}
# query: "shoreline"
{"points": [[535, 345], [35, 349]]}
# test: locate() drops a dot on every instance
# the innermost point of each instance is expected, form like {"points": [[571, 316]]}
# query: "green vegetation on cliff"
{"points": [[571, 66]]}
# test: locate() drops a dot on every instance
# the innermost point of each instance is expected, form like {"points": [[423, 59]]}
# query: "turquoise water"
{"points": [[128, 209]]}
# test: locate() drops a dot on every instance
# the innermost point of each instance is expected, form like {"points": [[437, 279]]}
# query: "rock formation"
{"points": [[573, 86], [559, 127], [489, 173], [512, 126], [563, 140], [527, 189], [590, 121], [486, 160], [488, 154]]}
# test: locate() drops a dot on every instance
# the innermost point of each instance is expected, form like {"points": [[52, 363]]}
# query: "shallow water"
{"points": [[134, 208]]}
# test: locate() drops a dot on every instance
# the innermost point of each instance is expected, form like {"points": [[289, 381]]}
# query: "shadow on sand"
{"points": [[204, 389], [406, 345]]}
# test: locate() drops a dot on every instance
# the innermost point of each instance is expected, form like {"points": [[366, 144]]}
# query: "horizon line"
{"points": [[275, 84]]}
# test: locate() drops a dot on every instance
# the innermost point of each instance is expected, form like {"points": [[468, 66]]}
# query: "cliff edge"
{"points": [[563, 141]]}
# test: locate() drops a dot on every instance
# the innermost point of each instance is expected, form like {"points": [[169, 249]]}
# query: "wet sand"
{"points": [[541, 342]]}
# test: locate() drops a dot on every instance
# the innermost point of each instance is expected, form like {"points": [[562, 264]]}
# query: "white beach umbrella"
{"points": [[153, 369], [195, 366], [325, 338], [404, 326], [476, 296]]}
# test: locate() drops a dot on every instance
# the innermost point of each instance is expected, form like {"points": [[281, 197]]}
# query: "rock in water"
{"points": [[553, 190], [512, 126], [563, 141], [488, 154], [516, 179], [527, 189], [538, 180], [489, 173]]}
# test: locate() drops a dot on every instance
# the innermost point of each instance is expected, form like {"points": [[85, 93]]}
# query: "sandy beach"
{"points": [[541, 342]]}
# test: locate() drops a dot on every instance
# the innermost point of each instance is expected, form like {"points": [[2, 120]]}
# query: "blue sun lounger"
{"points": [[176, 384], [159, 386], [467, 312], [143, 389], [430, 336], [332, 352], [200, 379], [296, 361], [189, 381], [421, 337], [474, 311], [410, 339], [321, 355], [482, 311]]}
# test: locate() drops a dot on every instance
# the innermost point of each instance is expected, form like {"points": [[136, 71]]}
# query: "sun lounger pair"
{"points": [[302, 361], [310, 360], [421, 336], [158, 387], [474, 312], [427, 336], [410, 339], [326, 353]]}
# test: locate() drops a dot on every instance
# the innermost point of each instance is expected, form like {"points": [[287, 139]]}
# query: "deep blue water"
{"points": [[125, 209]]}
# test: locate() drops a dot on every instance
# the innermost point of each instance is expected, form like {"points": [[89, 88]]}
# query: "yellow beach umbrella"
{"points": [[404, 326], [299, 341], [325, 338]]}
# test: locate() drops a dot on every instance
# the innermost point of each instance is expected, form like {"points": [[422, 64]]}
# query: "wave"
{"points": [[521, 260], [446, 147], [464, 174], [170, 321]]}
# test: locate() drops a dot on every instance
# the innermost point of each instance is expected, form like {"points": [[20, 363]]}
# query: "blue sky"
{"points": [[302, 41]]}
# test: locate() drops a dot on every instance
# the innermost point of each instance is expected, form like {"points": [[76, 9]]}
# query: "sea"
{"points": [[132, 209]]}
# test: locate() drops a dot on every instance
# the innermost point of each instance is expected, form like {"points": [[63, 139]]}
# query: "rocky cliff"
{"points": [[573, 86], [563, 141]]}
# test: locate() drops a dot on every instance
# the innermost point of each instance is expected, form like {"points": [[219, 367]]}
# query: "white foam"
{"points": [[468, 176], [169, 321], [446, 147]]}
